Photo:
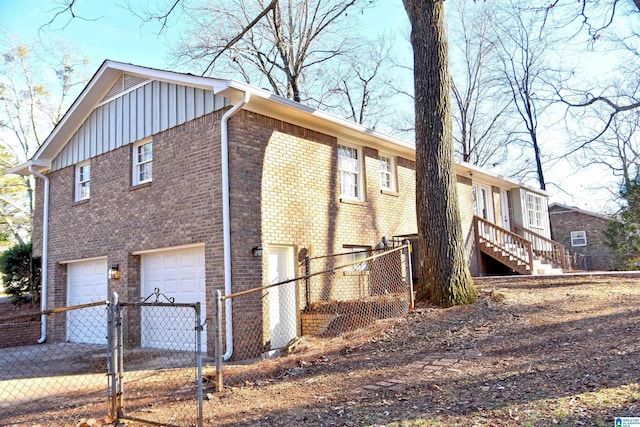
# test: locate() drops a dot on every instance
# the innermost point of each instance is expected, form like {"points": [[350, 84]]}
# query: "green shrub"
{"points": [[20, 273]]}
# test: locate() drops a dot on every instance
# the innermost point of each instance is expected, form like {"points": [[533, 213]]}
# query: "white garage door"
{"points": [[179, 274], [87, 282]]}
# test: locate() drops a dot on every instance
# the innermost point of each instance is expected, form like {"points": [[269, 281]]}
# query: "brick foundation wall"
{"points": [[22, 328], [313, 323], [18, 333]]}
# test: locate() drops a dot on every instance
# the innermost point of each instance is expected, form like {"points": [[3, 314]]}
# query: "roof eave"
{"points": [[23, 168], [266, 103]]}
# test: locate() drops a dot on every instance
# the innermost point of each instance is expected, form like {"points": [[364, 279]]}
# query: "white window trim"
{"points": [[360, 172], [79, 184], [580, 236], [535, 221], [393, 187], [135, 164]]}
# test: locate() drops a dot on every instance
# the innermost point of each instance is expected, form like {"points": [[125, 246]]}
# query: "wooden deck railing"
{"points": [[509, 248], [547, 249]]}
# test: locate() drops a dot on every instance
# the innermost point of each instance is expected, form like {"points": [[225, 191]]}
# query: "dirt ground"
{"points": [[530, 352], [534, 353]]}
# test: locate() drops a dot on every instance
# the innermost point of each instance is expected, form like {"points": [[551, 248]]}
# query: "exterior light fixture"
{"points": [[257, 251], [114, 272]]}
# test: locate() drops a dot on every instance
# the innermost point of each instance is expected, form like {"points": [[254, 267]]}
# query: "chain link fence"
{"points": [[102, 363], [338, 297], [61, 382]]}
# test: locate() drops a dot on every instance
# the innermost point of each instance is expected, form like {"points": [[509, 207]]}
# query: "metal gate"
{"points": [[155, 363], [149, 349]]}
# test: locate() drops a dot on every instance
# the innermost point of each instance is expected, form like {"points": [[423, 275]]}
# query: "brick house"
{"points": [[582, 233], [175, 179]]}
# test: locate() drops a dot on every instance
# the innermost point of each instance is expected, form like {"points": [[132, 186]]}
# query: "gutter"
{"points": [[45, 254], [226, 222]]}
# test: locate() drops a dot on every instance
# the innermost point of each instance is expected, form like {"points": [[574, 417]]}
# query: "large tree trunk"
{"points": [[444, 276]]}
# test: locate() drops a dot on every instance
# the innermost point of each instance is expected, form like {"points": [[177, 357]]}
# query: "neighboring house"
{"points": [[174, 179], [582, 233]]}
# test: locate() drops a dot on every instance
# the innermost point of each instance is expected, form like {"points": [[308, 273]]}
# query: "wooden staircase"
{"points": [[529, 253]]}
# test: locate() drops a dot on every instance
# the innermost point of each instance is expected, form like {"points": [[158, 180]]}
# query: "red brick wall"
{"points": [[23, 328], [284, 190], [564, 221], [181, 206]]}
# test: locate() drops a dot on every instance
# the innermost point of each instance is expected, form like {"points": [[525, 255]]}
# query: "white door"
{"points": [[283, 316], [504, 206], [87, 282], [178, 274]]}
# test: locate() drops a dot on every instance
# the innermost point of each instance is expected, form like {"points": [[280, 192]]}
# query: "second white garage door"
{"points": [[179, 274]]}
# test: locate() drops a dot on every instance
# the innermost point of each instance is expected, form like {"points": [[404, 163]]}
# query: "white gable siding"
{"points": [[137, 114]]}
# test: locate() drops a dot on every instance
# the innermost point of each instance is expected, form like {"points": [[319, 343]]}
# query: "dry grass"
{"points": [[550, 353]]}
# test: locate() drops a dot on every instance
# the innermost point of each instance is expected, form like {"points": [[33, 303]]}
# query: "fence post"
{"points": [[407, 254], [218, 343], [198, 328], [307, 280], [119, 325], [112, 350], [111, 390]]}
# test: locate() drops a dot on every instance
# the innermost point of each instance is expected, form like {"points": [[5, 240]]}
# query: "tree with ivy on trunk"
{"points": [[444, 274]]}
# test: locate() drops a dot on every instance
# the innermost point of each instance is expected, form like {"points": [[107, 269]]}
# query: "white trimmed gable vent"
{"points": [[124, 84]]}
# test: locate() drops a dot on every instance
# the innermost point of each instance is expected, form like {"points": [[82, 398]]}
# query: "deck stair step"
{"points": [[538, 256]]}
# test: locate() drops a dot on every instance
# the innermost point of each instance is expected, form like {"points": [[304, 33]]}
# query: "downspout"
{"points": [[45, 254], [226, 222]]}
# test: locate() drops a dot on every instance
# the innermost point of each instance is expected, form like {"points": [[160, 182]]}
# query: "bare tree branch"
{"points": [[233, 41]]}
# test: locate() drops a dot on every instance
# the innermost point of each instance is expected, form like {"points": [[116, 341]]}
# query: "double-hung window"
{"points": [[387, 172], [83, 181], [534, 210], [579, 238], [350, 167], [142, 162]]}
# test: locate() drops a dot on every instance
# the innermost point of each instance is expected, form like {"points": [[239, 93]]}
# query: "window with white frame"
{"points": [[83, 181], [357, 254], [142, 162], [579, 238], [387, 172], [534, 210], [350, 168]]}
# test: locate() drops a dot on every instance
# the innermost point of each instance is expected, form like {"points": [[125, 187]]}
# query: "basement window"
{"points": [[359, 255]]}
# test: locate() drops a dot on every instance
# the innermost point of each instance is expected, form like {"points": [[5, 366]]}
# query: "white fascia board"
{"points": [[23, 168], [576, 209], [264, 102], [494, 178], [200, 82]]}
